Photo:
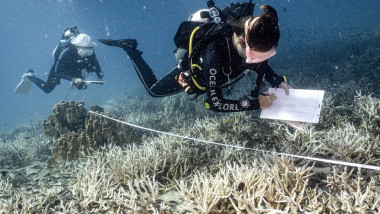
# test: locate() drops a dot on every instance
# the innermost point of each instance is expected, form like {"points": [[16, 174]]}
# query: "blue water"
{"points": [[30, 30]]}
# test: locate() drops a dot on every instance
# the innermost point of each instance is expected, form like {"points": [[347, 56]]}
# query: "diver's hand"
{"points": [[266, 100], [286, 87], [77, 81]]}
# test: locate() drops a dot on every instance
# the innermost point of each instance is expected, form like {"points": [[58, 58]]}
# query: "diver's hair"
{"points": [[264, 33]]}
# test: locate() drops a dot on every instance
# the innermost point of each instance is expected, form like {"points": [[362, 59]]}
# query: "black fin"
{"points": [[121, 43], [111, 42]]}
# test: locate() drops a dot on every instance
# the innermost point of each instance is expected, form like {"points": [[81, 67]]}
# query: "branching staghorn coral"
{"points": [[24, 148], [5, 190], [369, 110], [349, 144], [351, 138], [266, 188], [101, 182], [127, 178], [280, 187], [166, 159], [249, 188], [353, 195], [205, 191]]}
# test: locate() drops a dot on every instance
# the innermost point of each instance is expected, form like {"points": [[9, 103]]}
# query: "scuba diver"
{"points": [[73, 53], [224, 52]]}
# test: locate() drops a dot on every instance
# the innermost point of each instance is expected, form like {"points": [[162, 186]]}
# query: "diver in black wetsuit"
{"points": [[249, 44], [69, 63]]}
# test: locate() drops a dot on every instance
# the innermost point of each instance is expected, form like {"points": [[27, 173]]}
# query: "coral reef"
{"points": [[103, 183], [65, 117], [352, 135], [277, 187], [113, 168], [77, 133], [23, 146]]}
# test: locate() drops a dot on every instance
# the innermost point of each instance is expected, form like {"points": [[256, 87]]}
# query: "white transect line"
{"points": [[357, 165]]}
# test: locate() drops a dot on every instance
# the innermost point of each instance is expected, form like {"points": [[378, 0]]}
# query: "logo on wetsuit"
{"points": [[244, 103]]}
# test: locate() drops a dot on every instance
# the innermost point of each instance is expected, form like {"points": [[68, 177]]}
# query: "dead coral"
{"points": [[354, 195], [252, 188], [352, 138], [350, 144], [273, 187], [23, 148]]}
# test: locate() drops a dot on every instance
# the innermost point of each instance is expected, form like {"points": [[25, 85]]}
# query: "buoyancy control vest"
{"points": [[195, 34]]}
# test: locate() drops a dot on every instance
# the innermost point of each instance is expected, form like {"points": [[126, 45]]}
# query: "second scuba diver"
{"points": [[74, 53], [246, 44]]}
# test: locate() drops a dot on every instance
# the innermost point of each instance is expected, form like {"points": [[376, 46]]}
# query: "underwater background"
{"points": [[31, 29], [58, 157]]}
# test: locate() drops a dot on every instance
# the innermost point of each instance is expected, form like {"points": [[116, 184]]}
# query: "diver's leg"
{"points": [[144, 72], [168, 85], [49, 85]]}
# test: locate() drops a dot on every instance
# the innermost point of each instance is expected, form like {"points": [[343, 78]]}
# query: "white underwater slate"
{"points": [[300, 106]]}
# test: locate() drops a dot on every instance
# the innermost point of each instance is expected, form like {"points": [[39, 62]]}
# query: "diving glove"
{"points": [[78, 83]]}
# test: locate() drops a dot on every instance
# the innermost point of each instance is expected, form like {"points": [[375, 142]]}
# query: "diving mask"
{"points": [[85, 51]]}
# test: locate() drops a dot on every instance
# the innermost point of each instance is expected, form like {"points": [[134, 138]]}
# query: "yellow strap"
{"points": [[285, 79], [191, 60]]}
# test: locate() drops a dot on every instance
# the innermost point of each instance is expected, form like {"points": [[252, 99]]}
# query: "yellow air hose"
{"points": [[191, 60]]}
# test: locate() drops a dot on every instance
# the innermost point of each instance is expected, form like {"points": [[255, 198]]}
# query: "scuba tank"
{"points": [[65, 41]]}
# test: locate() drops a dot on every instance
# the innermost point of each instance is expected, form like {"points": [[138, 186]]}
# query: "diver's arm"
{"points": [[270, 76], [275, 80], [213, 77]]}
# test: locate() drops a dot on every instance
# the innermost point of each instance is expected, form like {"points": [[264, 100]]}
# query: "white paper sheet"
{"points": [[301, 105]]}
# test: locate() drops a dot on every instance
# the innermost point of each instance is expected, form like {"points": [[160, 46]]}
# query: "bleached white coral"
{"points": [[353, 193]]}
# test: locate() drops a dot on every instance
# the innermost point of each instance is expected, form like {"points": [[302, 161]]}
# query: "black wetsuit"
{"points": [[219, 59], [221, 63], [68, 66]]}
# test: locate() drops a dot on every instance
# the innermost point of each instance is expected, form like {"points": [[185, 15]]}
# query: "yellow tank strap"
{"points": [[285, 79]]}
